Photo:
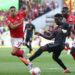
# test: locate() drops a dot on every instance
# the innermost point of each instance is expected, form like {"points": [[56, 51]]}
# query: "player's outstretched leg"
{"points": [[37, 53]]}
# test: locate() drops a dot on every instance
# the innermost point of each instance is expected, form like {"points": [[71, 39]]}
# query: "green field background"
{"points": [[10, 65]]}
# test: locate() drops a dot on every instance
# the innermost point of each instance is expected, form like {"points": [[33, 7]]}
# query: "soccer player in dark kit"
{"points": [[59, 33], [29, 29]]}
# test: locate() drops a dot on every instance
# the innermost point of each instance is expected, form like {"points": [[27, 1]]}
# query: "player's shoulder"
{"points": [[8, 17], [22, 13], [71, 16], [64, 23]]}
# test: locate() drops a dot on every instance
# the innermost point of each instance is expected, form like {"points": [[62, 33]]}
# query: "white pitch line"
{"points": [[54, 68], [72, 69]]}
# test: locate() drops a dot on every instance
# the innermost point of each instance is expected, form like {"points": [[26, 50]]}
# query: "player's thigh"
{"points": [[48, 47], [16, 43], [51, 47], [57, 51], [27, 39], [30, 40], [14, 49], [44, 48]]}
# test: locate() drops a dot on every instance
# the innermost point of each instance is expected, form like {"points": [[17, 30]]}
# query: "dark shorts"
{"points": [[28, 38], [55, 48]]}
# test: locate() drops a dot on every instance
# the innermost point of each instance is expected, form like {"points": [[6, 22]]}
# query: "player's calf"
{"points": [[18, 53], [21, 55]]}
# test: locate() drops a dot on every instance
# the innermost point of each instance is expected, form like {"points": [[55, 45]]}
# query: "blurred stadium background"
{"points": [[42, 13]]}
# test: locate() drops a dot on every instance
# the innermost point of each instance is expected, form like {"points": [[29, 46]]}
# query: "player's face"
{"points": [[65, 12], [57, 20], [12, 11]]}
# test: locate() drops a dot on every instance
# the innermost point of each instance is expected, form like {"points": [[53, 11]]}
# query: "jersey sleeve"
{"points": [[22, 14], [7, 21]]}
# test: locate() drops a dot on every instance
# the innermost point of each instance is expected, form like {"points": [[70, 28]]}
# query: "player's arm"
{"points": [[45, 36], [25, 28], [34, 29], [14, 26], [28, 6], [68, 29]]}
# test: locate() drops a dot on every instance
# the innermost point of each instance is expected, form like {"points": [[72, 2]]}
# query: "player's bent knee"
{"points": [[18, 53], [43, 48], [12, 53]]}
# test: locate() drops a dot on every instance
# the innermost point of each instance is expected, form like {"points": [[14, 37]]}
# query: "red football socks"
{"points": [[19, 53]]}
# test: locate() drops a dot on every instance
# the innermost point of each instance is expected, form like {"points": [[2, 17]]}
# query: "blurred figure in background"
{"points": [[70, 19], [29, 29]]}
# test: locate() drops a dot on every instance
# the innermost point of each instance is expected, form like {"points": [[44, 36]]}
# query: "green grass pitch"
{"points": [[10, 65]]}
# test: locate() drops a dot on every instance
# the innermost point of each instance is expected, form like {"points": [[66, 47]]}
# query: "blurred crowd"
{"points": [[38, 9]]}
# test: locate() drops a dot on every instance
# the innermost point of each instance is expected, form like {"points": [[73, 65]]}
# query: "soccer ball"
{"points": [[35, 71]]}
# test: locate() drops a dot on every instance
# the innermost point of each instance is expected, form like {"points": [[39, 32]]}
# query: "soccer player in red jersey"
{"points": [[69, 18], [15, 23]]}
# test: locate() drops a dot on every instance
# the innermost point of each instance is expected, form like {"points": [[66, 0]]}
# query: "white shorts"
{"points": [[17, 42], [69, 41], [73, 44]]}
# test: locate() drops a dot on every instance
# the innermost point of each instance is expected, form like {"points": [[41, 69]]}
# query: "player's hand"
{"points": [[37, 33]]}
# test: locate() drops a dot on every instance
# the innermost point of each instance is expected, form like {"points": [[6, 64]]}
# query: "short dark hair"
{"points": [[58, 15], [65, 8], [12, 7]]}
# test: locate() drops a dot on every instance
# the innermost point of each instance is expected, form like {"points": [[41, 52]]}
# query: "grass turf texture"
{"points": [[10, 65]]}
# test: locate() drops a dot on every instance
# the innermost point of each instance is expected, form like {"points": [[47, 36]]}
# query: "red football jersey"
{"points": [[22, 13], [18, 32], [71, 19]]}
